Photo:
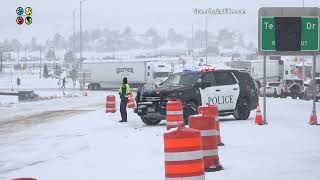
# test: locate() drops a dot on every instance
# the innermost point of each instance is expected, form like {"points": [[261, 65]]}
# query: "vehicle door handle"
{"points": [[235, 89], [218, 90]]}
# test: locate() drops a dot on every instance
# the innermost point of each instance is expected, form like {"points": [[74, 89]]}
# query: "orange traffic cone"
{"points": [[313, 121], [259, 119]]}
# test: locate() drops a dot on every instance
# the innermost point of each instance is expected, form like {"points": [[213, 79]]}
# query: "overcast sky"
{"points": [[51, 16]]}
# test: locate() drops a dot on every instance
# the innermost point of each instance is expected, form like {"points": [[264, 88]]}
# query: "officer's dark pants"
{"points": [[123, 109]]}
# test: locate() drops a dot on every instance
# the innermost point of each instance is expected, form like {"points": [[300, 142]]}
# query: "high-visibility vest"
{"points": [[127, 89]]}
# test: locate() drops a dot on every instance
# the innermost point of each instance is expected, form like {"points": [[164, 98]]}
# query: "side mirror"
{"points": [[205, 85]]}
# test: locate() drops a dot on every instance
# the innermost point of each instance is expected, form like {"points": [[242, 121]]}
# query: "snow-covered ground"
{"points": [[71, 137], [30, 81], [80, 141]]}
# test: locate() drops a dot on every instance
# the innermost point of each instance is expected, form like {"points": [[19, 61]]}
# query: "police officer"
{"points": [[124, 90]]}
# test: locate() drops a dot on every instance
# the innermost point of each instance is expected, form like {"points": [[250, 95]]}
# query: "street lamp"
{"points": [[81, 59], [81, 33], [206, 39]]}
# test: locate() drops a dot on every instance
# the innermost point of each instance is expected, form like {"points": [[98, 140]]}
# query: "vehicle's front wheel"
{"points": [[150, 121], [242, 110], [294, 96], [189, 109]]}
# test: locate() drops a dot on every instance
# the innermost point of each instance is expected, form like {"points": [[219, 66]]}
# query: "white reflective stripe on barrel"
{"points": [[174, 123], [187, 178], [110, 108], [174, 113], [183, 156], [209, 132], [110, 102], [212, 152]]}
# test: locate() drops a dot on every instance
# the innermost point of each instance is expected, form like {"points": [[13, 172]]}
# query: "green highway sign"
{"points": [[268, 34], [309, 33]]}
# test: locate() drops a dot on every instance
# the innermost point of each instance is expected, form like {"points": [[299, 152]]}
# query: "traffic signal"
{"points": [[288, 33]]}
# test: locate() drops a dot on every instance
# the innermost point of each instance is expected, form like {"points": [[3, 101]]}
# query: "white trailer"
{"points": [[109, 74], [255, 67]]}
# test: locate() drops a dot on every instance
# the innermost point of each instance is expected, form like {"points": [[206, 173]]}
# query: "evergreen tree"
{"points": [[45, 71]]}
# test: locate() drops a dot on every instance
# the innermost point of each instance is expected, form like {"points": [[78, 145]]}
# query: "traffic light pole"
{"points": [[1, 66]]}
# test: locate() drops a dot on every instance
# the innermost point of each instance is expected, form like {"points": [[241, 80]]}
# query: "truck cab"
{"points": [[158, 72]]}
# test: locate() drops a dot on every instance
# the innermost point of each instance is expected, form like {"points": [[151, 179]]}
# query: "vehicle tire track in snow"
{"points": [[21, 123]]}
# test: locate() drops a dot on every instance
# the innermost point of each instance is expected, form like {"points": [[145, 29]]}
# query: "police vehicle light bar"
{"points": [[206, 68], [187, 69]]}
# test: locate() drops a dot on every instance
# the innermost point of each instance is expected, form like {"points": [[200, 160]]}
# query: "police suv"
{"points": [[233, 91]]}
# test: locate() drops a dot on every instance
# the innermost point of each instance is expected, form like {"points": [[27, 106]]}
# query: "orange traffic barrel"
{"points": [[207, 126], [131, 102], [212, 110], [111, 104], [183, 155], [174, 113]]}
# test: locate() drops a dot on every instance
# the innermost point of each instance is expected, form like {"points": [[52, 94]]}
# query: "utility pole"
{"points": [[18, 59], [206, 39], [192, 45], [113, 51], [25, 58], [74, 34], [40, 63], [81, 35], [1, 62]]}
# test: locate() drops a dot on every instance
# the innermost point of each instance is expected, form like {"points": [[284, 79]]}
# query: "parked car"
{"points": [[272, 90], [308, 90], [291, 87]]}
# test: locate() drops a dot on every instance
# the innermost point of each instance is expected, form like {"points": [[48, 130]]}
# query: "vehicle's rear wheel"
{"points": [[189, 109], [96, 86], [150, 121], [242, 110], [283, 95]]}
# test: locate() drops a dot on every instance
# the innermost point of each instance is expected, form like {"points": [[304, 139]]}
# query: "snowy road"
{"points": [[93, 145]]}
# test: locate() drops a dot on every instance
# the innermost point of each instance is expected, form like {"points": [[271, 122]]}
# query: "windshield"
{"points": [[300, 82], [274, 84], [181, 79], [160, 74]]}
